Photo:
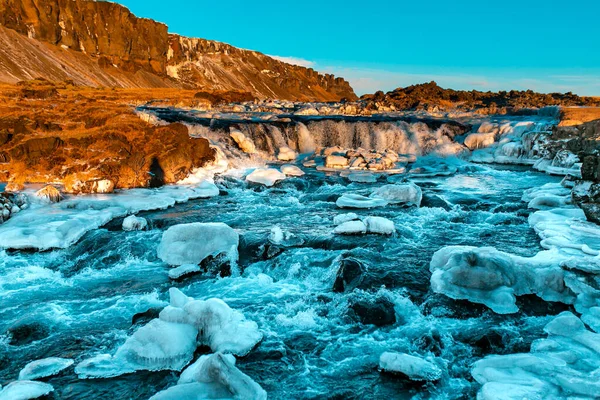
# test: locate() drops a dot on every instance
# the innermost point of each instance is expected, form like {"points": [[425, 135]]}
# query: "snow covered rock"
{"points": [[480, 140], [400, 193], [213, 376], [351, 228], [565, 365], [379, 225], [44, 368], [286, 154], [265, 176], [358, 201], [333, 161], [415, 368], [341, 218], [291, 170], [169, 341], [488, 276], [133, 223], [243, 142], [25, 390], [49, 194], [192, 243]]}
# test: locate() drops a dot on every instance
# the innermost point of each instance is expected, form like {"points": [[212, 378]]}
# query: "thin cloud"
{"points": [[295, 61]]}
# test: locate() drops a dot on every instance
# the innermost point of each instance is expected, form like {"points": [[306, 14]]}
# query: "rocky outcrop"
{"points": [[431, 97], [209, 64], [90, 144], [97, 43]]}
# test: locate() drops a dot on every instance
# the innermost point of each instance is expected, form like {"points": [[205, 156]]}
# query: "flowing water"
{"points": [[88, 298]]}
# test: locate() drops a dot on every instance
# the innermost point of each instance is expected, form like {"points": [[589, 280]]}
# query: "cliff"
{"points": [[104, 44]]}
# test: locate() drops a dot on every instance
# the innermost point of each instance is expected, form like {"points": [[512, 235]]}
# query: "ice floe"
{"points": [[351, 228], [44, 368], [25, 390], [565, 365], [60, 225], [415, 368], [213, 376], [350, 200], [265, 176], [192, 243], [400, 193], [291, 170]]}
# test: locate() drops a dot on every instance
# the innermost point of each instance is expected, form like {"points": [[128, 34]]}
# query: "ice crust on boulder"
{"points": [[400, 193], [565, 365], [133, 223], [415, 368], [192, 243], [266, 176], [291, 170], [25, 390], [169, 341], [183, 270], [358, 201], [286, 154], [49, 194], [44, 368], [379, 225], [341, 218], [491, 277], [59, 225], [351, 228], [213, 376]]}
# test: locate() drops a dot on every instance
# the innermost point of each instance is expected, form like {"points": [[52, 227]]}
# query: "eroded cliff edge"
{"points": [[104, 44]]}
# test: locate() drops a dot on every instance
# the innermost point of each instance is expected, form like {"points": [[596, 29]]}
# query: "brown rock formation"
{"points": [[81, 136], [98, 43]]}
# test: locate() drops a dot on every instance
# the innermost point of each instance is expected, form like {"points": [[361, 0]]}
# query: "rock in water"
{"points": [[286, 154], [349, 275], [291, 170], [213, 376], [266, 176], [378, 312], [44, 368], [192, 243], [49, 194], [358, 201], [415, 368], [25, 390], [402, 193], [133, 223]]}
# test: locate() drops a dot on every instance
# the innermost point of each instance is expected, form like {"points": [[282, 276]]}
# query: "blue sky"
{"points": [[464, 44]]}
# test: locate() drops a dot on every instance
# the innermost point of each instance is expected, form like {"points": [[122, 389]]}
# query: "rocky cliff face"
{"points": [[211, 64], [104, 44]]}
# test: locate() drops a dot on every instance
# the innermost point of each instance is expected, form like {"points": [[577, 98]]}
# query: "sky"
{"points": [[545, 46]]}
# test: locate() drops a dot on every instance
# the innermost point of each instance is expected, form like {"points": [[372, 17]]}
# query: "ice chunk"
{"points": [[206, 189], [401, 193], [564, 365], [133, 223], [222, 328], [379, 225], [488, 276], [192, 243], [286, 154], [351, 228], [415, 368], [213, 376], [341, 218], [44, 368], [358, 201], [24, 390], [183, 270], [291, 170], [362, 177], [265, 176]]}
